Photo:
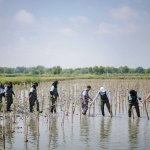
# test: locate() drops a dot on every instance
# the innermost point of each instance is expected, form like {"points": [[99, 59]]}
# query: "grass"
{"points": [[17, 79]]}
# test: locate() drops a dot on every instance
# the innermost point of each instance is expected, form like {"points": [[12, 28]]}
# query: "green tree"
{"points": [[96, 70], [147, 71], [90, 70], [1, 70], [56, 70], [124, 69], [140, 70], [35, 72], [8, 70], [101, 70], [21, 69]]}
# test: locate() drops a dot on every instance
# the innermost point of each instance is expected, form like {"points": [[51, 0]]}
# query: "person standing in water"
{"points": [[1, 94], [9, 92], [84, 99], [133, 98], [33, 97], [53, 96], [105, 99]]}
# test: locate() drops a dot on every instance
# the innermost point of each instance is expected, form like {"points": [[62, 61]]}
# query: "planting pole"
{"points": [[146, 111]]}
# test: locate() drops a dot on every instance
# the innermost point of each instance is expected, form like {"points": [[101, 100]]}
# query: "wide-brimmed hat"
{"points": [[102, 89]]}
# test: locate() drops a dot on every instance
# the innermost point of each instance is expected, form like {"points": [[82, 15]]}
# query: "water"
{"points": [[94, 132], [88, 132]]}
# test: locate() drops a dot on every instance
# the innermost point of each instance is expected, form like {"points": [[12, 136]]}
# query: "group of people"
{"points": [[133, 98]]}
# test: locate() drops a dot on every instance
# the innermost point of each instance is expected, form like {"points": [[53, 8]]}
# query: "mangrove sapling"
{"points": [[64, 113], [26, 131], [3, 135]]}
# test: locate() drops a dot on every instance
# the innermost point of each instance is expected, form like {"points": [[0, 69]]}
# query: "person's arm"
{"points": [[83, 97], [13, 92], [31, 91], [147, 97], [139, 97], [108, 96], [95, 98], [129, 97], [51, 92]]}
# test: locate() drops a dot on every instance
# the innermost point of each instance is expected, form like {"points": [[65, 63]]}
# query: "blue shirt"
{"points": [[130, 98]]}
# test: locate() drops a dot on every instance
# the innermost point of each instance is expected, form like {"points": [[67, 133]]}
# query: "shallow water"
{"points": [[88, 132], [94, 132]]}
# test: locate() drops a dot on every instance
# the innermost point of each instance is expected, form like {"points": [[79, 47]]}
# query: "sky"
{"points": [[75, 33]]}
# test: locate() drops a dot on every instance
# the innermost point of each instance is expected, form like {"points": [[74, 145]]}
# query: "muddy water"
{"points": [[88, 132], [94, 132]]}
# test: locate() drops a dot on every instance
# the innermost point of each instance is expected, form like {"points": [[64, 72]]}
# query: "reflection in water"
{"points": [[9, 131], [85, 130], [105, 130], [53, 136], [133, 130]]}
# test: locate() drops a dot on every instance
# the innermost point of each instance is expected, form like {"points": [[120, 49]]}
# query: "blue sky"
{"points": [[75, 33]]}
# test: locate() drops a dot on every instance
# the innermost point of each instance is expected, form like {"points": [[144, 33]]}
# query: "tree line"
{"points": [[98, 70]]}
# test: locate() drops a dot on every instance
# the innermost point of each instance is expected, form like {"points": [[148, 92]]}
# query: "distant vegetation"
{"points": [[40, 70]]}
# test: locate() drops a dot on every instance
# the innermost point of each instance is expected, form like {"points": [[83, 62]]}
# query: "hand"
{"points": [[53, 96], [85, 102]]}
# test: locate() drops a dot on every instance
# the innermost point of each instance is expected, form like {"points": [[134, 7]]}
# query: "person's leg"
{"points": [[137, 109], [108, 106], [130, 109], [8, 103], [54, 108], [52, 105], [102, 107], [37, 103], [84, 108], [31, 105]]}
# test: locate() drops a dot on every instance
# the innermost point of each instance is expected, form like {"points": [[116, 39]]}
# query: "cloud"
{"points": [[24, 17], [116, 29], [79, 19], [124, 13], [68, 32]]}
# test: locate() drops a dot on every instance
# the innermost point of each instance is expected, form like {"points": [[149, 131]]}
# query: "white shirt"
{"points": [[52, 88], [32, 89], [97, 95], [1, 91], [6, 88]]}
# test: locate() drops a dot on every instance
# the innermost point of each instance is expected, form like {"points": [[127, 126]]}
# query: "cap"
{"points": [[102, 89]]}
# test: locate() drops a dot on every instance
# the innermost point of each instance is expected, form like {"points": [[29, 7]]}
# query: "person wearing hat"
{"points": [[9, 92], [1, 94], [105, 99], [33, 97], [53, 96], [84, 99], [133, 98]]}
